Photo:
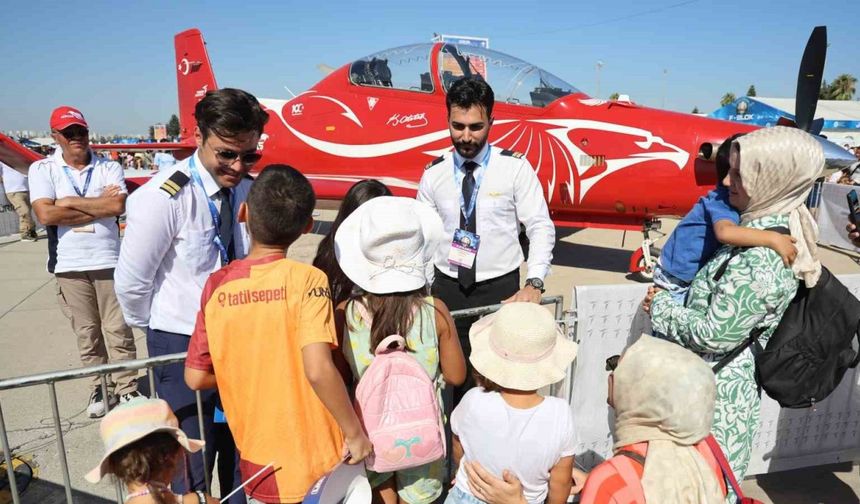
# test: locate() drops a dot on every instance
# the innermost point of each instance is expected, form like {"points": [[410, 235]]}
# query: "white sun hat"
{"points": [[520, 347], [387, 243]]}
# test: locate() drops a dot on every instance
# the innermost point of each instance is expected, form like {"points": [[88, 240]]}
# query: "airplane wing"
{"points": [[16, 155]]}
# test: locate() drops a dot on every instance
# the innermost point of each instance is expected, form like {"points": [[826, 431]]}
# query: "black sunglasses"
{"points": [[612, 362], [229, 157], [73, 132]]}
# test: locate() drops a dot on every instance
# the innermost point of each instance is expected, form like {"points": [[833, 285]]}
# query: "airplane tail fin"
{"points": [[194, 78]]}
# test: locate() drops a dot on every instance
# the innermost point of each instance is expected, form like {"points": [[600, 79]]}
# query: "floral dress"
{"points": [[754, 292]]}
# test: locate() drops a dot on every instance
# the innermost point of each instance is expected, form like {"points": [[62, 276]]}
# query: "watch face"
{"points": [[537, 283]]}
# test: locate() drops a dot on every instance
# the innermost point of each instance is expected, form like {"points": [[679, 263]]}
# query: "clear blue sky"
{"points": [[114, 60]]}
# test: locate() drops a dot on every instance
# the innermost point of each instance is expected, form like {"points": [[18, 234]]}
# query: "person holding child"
{"points": [[384, 246], [772, 171], [264, 337], [504, 424]]}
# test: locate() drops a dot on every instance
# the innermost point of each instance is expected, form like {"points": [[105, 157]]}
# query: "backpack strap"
{"points": [[632, 455], [726, 469], [755, 333], [752, 340], [385, 343]]}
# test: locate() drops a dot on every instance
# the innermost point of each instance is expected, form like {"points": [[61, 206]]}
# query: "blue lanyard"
{"points": [[216, 216], [86, 182], [473, 200]]}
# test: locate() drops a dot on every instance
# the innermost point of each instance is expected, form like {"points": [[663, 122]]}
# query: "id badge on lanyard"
{"points": [[464, 246], [216, 216], [83, 228]]}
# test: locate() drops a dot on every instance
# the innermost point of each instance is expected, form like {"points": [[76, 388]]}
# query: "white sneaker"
{"points": [[96, 405]]}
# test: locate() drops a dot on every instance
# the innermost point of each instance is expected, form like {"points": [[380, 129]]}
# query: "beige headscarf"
{"points": [[664, 394], [778, 168]]}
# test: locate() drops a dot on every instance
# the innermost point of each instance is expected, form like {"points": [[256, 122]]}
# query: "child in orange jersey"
{"points": [[264, 337]]}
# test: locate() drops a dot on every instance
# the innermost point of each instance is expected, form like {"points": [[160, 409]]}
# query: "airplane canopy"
{"points": [[514, 81]]}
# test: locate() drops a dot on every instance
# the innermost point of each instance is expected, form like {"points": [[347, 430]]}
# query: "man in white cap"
{"points": [[78, 196]]}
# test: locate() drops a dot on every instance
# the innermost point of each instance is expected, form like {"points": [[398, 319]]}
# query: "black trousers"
{"points": [[488, 292], [170, 385]]}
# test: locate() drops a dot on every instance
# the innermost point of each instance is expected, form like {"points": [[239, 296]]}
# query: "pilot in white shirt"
{"points": [[181, 227], [483, 194]]}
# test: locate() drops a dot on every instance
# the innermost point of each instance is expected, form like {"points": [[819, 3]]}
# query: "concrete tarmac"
{"points": [[36, 337]]}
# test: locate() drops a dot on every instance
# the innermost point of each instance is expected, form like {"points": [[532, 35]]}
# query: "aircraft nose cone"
{"points": [[834, 155]]}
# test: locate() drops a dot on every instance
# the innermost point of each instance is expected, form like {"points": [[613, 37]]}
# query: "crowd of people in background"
{"points": [[279, 350]]}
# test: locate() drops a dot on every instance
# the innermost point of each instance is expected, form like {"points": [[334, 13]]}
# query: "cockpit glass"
{"points": [[406, 67], [513, 80]]}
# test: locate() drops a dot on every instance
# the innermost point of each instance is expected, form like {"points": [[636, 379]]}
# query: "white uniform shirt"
{"points": [[510, 194], [13, 180], [168, 251], [98, 247], [528, 442]]}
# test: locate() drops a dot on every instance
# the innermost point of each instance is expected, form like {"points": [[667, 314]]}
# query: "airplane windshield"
{"points": [[513, 80], [406, 67]]}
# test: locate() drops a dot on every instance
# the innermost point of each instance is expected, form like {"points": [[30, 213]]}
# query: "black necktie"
{"points": [[466, 276], [226, 229]]}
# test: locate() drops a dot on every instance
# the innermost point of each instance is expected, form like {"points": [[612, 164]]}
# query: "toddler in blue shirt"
{"points": [[711, 223]]}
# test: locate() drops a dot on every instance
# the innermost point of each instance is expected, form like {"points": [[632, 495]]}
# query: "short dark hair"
{"points": [[722, 159], [467, 92], [485, 383], [229, 113], [280, 204]]}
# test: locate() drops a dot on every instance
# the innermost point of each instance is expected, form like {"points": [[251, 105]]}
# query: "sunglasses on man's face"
{"points": [[73, 132], [229, 157], [612, 362]]}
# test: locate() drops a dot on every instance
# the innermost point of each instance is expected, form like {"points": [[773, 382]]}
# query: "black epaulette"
{"points": [[434, 162], [248, 176], [174, 183], [513, 154]]}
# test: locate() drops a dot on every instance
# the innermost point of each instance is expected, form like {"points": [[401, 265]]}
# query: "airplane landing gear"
{"points": [[643, 259]]}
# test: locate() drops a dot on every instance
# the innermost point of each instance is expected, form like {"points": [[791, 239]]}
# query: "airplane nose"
{"points": [[834, 155]]}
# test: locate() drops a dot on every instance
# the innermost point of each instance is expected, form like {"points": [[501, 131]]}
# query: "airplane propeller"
{"points": [[806, 99], [809, 81]]}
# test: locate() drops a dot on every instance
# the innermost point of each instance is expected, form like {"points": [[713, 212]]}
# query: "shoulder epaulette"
{"points": [[174, 183], [511, 153], [248, 176], [434, 162]]}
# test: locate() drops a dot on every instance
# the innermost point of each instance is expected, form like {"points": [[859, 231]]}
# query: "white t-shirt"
{"points": [[97, 247], [13, 180], [528, 442]]}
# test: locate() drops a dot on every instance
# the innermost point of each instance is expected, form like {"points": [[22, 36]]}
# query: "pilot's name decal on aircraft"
{"points": [[200, 93], [297, 109], [418, 120]]}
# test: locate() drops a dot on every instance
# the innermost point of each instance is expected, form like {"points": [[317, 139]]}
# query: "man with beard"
{"points": [[78, 196], [483, 193], [182, 227]]}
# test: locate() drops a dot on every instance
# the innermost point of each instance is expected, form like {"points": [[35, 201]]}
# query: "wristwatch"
{"points": [[537, 283]]}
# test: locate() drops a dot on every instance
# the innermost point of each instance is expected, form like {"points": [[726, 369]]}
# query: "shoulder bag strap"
{"points": [[726, 469]]}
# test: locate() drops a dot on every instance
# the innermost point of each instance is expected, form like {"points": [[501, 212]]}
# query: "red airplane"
{"points": [[611, 164]]}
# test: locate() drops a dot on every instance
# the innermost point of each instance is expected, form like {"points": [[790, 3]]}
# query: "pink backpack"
{"points": [[396, 401]]}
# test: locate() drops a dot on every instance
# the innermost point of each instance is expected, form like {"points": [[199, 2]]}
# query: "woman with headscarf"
{"points": [[772, 171]]}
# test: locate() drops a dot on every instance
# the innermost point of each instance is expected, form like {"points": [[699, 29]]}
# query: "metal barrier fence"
{"points": [[51, 378]]}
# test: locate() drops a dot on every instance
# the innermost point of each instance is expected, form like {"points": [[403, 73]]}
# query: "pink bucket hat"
{"points": [[134, 420]]}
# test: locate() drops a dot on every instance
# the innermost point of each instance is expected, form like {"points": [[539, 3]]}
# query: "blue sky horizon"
{"points": [[115, 61]]}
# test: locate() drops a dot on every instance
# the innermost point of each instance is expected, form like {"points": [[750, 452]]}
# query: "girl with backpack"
{"points": [[504, 424], [384, 247]]}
